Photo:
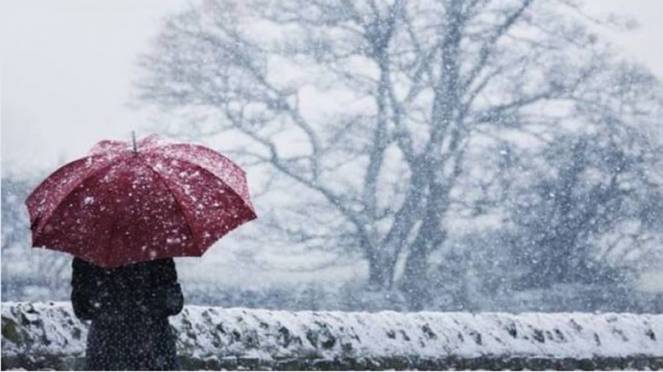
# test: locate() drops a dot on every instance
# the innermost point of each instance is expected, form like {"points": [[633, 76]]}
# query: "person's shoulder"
{"points": [[81, 263], [85, 273], [163, 262], [164, 269]]}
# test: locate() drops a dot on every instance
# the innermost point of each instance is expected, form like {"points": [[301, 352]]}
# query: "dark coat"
{"points": [[129, 308]]}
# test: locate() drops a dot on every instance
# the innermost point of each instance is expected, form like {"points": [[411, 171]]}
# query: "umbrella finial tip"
{"points": [[133, 139]]}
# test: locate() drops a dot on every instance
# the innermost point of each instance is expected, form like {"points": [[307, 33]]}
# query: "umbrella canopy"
{"points": [[124, 204]]}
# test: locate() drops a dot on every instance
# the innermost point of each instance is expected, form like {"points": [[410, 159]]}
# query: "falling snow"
{"points": [[433, 158]]}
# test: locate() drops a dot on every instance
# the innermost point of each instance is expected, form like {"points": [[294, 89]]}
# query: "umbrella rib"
{"points": [[70, 190], [178, 203], [205, 170], [203, 149], [112, 231]]}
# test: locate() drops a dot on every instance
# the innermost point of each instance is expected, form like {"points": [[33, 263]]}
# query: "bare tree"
{"points": [[414, 86], [24, 267], [592, 187]]}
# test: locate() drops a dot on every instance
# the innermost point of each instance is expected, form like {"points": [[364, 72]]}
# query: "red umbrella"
{"points": [[124, 204]]}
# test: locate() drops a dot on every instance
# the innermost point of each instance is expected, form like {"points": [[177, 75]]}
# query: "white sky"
{"points": [[67, 68]]}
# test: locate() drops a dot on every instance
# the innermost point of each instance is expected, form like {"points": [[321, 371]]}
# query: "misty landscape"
{"points": [[447, 156]]}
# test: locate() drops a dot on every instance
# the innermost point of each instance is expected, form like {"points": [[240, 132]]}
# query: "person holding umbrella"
{"points": [[124, 212]]}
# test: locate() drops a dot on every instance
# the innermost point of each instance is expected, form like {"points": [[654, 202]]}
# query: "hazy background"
{"points": [[67, 73], [67, 67]]}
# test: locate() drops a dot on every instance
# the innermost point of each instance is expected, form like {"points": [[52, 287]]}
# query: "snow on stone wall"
{"points": [[47, 335]]}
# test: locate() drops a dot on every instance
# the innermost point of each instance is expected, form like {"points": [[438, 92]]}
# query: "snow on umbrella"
{"points": [[124, 204]]}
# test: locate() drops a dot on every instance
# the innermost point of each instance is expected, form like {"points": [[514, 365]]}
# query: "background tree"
{"points": [[589, 192], [27, 273], [368, 111]]}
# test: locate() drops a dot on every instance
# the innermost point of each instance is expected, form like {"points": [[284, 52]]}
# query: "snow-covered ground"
{"points": [[212, 337]]}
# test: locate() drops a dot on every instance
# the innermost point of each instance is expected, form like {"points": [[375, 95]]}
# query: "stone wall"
{"points": [[47, 335]]}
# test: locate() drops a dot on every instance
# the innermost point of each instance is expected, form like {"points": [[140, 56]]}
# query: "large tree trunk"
{"points": [[379, 272], [446, 129], [431, 236]]}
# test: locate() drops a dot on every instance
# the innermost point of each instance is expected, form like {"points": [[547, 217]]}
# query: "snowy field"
{"points": [[47, 335]]}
